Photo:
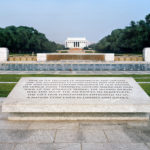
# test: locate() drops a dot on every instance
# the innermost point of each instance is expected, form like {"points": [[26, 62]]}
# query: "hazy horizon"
{"points": [[59, 19]]}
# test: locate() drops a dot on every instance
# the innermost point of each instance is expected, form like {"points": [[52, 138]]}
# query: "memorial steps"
{"points": [[76, 51]]}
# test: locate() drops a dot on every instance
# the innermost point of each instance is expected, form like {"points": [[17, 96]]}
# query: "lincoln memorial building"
{"points": [[76, 43]]}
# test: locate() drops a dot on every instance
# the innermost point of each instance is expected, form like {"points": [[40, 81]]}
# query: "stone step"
{"points": [[99, 98], [79, 116]]}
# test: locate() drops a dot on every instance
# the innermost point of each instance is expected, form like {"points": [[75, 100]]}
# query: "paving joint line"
{"points": [[55, 136], [147, 145], [81, 146], [106, 136], [28, 127], [14, 147]]}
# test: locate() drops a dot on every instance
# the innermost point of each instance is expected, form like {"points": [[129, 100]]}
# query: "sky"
{"points": [[59, 19]]}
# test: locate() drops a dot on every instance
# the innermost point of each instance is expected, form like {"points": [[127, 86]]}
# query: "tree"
{"points": [[24, 39], [132, 39]]}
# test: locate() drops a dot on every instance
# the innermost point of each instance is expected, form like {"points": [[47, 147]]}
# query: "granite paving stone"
{"points": [[7, 146], [137, 124], [101, 122], [34, 147], [80, 136], [53, 125], [114, 146], [3, 116], [139, 134], [134, 135], [117, 136], [5, 124], [27, 136], [94, 136], [59, 146], [1, 100], [100, 126], [148, 144], [68, 136]]}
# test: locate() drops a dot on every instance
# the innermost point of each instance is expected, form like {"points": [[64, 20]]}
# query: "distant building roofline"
{"points": [[75, 38]]}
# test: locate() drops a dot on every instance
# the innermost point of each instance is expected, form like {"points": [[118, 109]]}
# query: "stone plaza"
{"points": [[73, 135], [90, 113]]}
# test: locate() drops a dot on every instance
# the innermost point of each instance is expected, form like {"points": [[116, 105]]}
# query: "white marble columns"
{"points": [[76, 43]]}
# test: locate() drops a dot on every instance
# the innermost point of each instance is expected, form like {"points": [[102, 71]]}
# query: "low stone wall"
{"points": [[34, 58], [108, 57], [75, 67], [43, 57], [22, 58], [128, 58], [76, 57]]}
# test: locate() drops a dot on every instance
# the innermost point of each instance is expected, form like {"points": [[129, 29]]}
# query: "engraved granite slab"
{"points": [[77, 95]]}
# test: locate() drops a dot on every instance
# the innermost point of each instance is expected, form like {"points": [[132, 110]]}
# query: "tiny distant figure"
{"points": [[32, 53], [70, 69]]}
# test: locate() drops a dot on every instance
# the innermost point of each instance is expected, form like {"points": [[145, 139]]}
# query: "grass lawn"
{"points": [[146, 87], [5, 89], [143, 80], [15, 78]]}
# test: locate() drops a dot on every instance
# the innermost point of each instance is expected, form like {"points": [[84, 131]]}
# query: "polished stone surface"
{"points": [[77, 95]]}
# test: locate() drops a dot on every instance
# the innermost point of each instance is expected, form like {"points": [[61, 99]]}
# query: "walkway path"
{"points": [[77, 72], [144, 82], [7, 82]]}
